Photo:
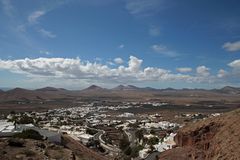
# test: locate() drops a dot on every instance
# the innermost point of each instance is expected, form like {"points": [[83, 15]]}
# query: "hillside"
{"points": [[46, 89], [58, 97], [32, 149], [216, 138]]}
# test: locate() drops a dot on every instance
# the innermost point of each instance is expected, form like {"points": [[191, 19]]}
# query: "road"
{"points": [[152, 156], [97, 135], [131, 137], [109, 148]]}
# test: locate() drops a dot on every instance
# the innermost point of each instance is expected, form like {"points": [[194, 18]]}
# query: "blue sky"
{"points": [[157, 43]]}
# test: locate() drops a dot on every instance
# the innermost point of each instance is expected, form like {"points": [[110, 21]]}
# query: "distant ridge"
{"points": [[119, 92], [119, 87], [232, 90], [15, 90], [227, 90], [93, 87], [45, 89], [128, 87], [169, 89], [150, 88]]}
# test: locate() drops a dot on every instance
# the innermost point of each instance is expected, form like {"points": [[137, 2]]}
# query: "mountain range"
{"points": [[226, 89], [126, 92]]}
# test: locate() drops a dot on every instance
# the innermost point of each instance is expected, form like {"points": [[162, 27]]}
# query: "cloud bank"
{"points": [[75, 68], [33, 17], [231, 46]]}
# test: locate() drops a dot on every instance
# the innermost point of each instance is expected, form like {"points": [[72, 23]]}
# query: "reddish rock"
{"points": [[215, 138]]}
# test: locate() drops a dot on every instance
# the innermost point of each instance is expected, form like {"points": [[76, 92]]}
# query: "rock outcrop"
{"points": [[215, 138]]}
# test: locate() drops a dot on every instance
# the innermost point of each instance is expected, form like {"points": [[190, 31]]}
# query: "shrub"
{"points": [[152, 131], [135, 150], [128, 151], [124, 143], [153, 141], [91, 131], [25, 120], [29, 134], [15, 142]]}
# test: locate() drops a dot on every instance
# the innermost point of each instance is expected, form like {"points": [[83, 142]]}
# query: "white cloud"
{"points": [[68, 68], [161, 49], [203, 71], [46, 33], [154, 31], [118, 60], [33, 20], [231, 46], [33, 17], [134, 64], [144, 7], [222, 73], [121, 46], [111, 63], [235, 64], [184, 69]]}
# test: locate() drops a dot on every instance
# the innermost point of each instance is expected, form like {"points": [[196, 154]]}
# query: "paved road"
{"points": [[108, 147], [152, 156], [131, 137], [97, 135]]}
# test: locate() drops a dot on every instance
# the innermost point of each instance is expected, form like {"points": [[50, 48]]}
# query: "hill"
{"points": [[12, 149], [230, 90], [46, 89], [214, 138], [93, 88], [128, 87], [50, 96]]}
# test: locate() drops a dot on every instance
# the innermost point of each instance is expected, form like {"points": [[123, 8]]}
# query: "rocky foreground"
{"points": [[215, 138], [28, 149]]}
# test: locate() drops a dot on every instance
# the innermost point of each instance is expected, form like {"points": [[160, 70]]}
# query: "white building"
{"points": [[167, 143], [126, 114], [143, 153], [85, 138]]}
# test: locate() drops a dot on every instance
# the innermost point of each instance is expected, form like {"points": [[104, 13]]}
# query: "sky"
{"points": [[157, 43]]}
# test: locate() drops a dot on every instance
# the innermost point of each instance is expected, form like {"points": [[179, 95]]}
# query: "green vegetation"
{"points": [[12, 112], [134, 125], [152, 131], [153, 141], [91, 131], [23, 119], [15, 142], [128, 151], [135, 151], [68, 112], [139, 134], [29, 134], [124, 143]]}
